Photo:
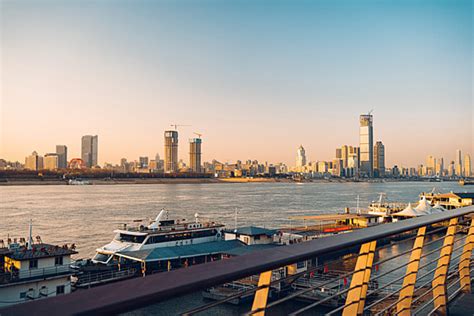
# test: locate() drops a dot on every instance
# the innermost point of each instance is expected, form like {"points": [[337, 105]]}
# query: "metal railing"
{"points": [[431, 274], [22, 275]]}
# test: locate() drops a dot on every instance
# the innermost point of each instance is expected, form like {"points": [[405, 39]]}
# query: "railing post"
{"points": [[441, 273], [465, 262], [355, 300], [261, 296], [408, 288]]}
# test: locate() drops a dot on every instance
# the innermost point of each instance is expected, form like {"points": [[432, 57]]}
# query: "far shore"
{"points": [[23, 182]]}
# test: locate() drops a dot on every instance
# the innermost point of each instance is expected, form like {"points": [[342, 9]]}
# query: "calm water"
{"points": [[87, 215]]}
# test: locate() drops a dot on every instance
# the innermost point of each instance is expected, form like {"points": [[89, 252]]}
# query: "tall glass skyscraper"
{"points": [[89, 150], [195, 154], [366, 140], [61, 150], [171, 151]]}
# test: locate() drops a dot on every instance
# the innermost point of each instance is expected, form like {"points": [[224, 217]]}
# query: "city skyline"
{"points": [[256, 93]]}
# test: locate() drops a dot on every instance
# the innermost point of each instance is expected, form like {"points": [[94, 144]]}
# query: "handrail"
{"points": [[135, 293]]}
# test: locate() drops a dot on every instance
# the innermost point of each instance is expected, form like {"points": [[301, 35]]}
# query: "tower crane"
{"points": [[176, 126], [198, 134]]}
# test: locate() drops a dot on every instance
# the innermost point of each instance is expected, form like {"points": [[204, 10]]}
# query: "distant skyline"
{"points": [[256, 78]]}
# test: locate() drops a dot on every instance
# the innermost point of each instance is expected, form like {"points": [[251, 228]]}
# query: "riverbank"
{"points": [[118, 181]]}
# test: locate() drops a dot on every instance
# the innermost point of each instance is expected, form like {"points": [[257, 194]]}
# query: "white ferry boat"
{"points": [[162, 232], [78, 182]]}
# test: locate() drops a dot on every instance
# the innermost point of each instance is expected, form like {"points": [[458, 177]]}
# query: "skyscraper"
{"points": [[51, 161], [61, 150], [300, 158], [195, 154], [34, 161], [430, 165], [467, 165], [171, 151], [458, 160], [366, 140], [89, 150], [379, 159]]}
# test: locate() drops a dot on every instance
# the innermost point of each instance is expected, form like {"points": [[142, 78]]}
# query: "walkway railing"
{"points": [[421, 280]]}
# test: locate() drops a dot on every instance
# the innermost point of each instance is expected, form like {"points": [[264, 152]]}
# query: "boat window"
{"points": [[101, 257], [181, 236], [131, 238]]}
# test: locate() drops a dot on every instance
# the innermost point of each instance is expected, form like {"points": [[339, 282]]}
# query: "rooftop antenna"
{"points": [[30, 238]]}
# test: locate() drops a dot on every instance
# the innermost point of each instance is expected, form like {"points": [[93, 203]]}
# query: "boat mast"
{"points": [[30, 238]]}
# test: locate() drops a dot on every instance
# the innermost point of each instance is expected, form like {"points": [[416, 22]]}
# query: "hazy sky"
{"points": [[256, 77]]}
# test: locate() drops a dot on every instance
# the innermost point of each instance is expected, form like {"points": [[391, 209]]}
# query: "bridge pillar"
{"points": [[465, 261], [441, 273], [261, 296], [406, 294], [355, 300]]}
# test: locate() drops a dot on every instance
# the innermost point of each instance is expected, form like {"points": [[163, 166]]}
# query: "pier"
{"points": [[429, 282]]}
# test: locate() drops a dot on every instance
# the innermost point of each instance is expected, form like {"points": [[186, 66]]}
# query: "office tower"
{"points": [[34, 162], [89, 150], [338, 153], [467, 165], [143, 162], [171, 151], [366, 140], [451, 169], [195, 154], [379, 159], [61, 151], [344, 155], [430, 165], [51, 161], [458, 161], [439, 169], [300, 158]]}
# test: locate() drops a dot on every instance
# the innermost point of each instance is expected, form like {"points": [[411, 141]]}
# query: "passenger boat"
{"points": [[160, 233], [78, 182], [383, 207]]}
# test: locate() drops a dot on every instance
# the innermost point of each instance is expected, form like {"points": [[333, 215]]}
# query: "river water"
{"points": [[87, 215]]}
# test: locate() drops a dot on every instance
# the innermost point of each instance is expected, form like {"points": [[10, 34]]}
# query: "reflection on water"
{"points": [[87, 215]]}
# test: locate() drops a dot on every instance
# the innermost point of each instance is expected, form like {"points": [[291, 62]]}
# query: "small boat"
{"points": [[78, 182], [466, 182]]}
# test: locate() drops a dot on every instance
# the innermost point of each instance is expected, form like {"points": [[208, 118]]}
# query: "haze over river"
{"points": [[87, 215]]}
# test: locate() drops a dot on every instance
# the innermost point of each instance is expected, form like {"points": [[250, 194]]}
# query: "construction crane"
{"points": [[176, 126], [198, 134], [370, 112]]}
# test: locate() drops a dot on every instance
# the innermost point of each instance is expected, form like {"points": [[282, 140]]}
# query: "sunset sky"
{"points": [[257, 78]]}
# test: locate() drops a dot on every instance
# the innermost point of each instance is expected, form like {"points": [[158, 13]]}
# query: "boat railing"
{"points": [[21, 275]]}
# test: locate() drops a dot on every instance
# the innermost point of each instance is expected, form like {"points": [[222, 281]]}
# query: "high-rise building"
{"points": [[195, 154], [344, 155], [89, 150], [143, 162], [439, 170], [366, 140], [51, 161], [459, 163], [300, 158], [430, 165], [467, 165], [34, 161], [379, 159], [61, 151], [171, 151]]}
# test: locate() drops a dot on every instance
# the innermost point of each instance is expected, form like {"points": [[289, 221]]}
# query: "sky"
{"points": [[256, 78]]}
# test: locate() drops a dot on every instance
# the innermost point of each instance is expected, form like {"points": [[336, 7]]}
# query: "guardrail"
{"points": [[431, 276], [23, 275]]}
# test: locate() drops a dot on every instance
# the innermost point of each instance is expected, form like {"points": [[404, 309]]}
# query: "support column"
{"points": [[441, 273], [465, 262], [406, 294], [355, 300], [261, 296]]}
